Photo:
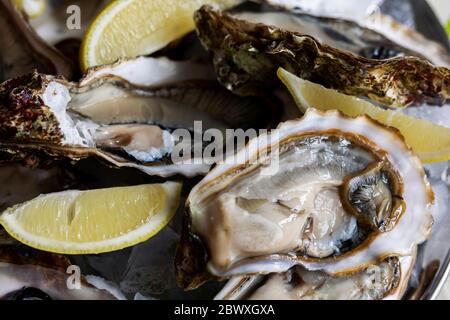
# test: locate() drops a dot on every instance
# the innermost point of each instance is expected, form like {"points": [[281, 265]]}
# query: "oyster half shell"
{"points": [[385, 280], [29, 274], [338, 33], [328, 192], [149, 71], [367, 14], [246, 56], [124, 124]]}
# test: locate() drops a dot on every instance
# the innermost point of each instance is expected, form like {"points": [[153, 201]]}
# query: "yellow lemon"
{"points": [[429, 141], [93, 221], [129, 28]]}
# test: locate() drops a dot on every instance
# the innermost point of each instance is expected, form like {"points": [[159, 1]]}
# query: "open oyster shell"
{"points": [[385, 280], [124, 124], [345, 193], [246, 56], [149, 71], [368, 15], [338, 33]]}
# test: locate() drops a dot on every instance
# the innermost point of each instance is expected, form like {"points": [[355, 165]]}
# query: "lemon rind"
{"points": [[144, 232]]}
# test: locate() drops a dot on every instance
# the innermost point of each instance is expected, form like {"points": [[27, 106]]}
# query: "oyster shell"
{"points": [[246, 57], [367, 14], [342, 9], [24, 49], [409, 38], [338, 33], [245, 221], [149, 71], [386, 280], [25, 274], [123, 124]]}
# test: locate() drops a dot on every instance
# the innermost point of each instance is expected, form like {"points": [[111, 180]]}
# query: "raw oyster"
{"points": [[367, 14], [30, 274], [246, 57], [337, 33], [23, 50], [385, 280], [123, 124], [149, 71], [409, 38], [243, 220]]}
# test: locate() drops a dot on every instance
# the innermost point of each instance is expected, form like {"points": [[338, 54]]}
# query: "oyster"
{"points": [[337, 33], [149, 71], [385, 280], [24, 50], [409, 38], [345, 192], [29, 274], [123, 124], [366, 14], [246, 56]]}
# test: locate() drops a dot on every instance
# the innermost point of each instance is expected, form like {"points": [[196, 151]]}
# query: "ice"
{"points": [[150, 266], [145, 271], [356, 10], [151, 273], [139, 296], [437, 115], [445, 176], [436, 247], [103, 284], [438, 171]]}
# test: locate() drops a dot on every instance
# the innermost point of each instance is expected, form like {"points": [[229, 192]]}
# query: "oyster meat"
{"points": [[246, 56], [385, 280], [121, 123], [23, 50], [344, 193]]}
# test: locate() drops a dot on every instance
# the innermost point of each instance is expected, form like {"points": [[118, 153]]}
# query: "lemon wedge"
{"points": [[129, 28], [94, 221], [32, 8], [429, 141]]}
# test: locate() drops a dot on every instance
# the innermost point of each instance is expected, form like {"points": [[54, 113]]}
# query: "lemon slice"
{"points": [[94, 221], [429, 141], [129, 28], [32, 8]]}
